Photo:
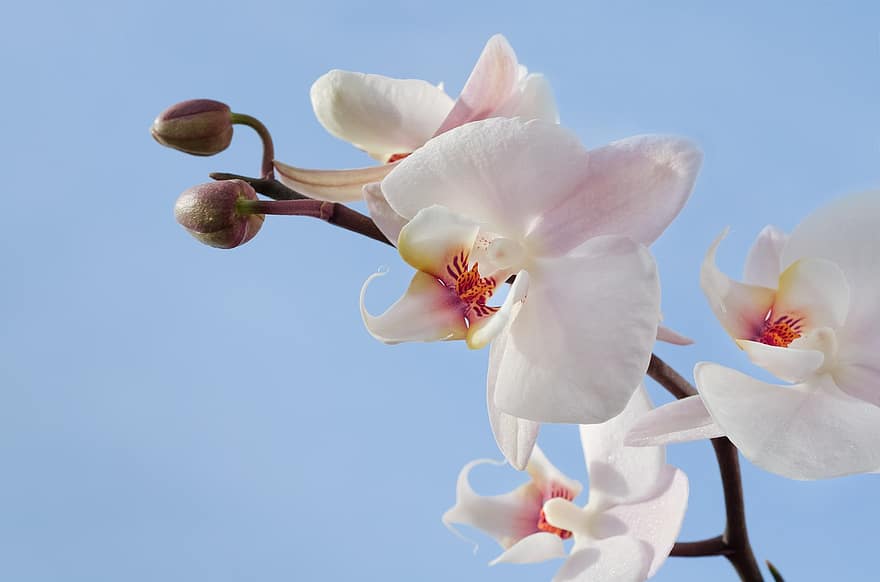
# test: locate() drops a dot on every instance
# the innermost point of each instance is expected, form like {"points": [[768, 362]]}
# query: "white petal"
{"points": [[845, 232], [859, 376], [426, 312], [544, 474], [677, 422], [816, 289], [740, 308], [669, 335], [582, 340], [538, 547], [501, 173], [331, 185], [634, 187], [805, 431], [655, 521], [532, 99], [515, 436], [620, 473], [764, 261], [433, 238], [388, 221], [380, 115], [489, 85], [789, 364], [618, 559], [486, 329], [507, 518]]}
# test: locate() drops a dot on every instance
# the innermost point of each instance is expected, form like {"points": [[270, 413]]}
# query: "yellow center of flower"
{"points": [[555, 491], [470, 287], [781, 331]]}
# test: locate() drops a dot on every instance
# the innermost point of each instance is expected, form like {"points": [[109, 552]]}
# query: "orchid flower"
{"points": [[624, 533], [808, 313], [390, 118], [506, 197]]}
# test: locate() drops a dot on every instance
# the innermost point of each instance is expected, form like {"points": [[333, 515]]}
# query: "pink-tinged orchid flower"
{"points": [[625, 532], [808, 313], [503, 197], [390, 118]]}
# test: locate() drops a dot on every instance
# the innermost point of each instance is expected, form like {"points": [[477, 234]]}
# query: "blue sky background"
{"points": [[170, 411]]}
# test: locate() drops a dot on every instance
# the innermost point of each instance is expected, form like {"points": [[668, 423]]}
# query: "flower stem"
{"points": [[733, 544], [267, 169]]}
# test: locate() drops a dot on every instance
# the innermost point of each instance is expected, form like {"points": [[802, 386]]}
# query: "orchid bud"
{"points": [[216, 215], [201, 127]]}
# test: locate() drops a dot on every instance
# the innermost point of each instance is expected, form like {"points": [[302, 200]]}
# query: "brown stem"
{"points": [[734, 542], [267, 169]]}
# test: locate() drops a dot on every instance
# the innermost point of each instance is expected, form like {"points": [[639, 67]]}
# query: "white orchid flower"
{"points": [[390, 118], [507, 197], [625, 532], [808, 313]]}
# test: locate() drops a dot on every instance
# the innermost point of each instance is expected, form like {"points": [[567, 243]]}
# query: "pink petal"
{"points": [[515, 436], [532, 99], [380, 115], [489, 85], [764, 261], [805, 431], [484, 330], [669, 335], [581, 342], [331, 185], [740, 308], [501, 173], [617, 559], [620, 473], [677, 422], [426, 312], [634, 187], [655, 521], [388, 221]]}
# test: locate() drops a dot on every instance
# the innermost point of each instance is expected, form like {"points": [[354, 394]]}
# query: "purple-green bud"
{"points": [[215, 213], [201, 127]]}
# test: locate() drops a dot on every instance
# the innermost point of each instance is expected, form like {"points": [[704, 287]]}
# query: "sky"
{"points": [[169, 411]]}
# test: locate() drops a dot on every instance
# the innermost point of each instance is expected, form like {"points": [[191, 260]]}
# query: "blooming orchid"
{"points": [[624, 533], [506, 197], [807, 312], [390, 118]]}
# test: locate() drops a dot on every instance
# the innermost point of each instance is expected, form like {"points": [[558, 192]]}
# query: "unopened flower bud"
{"points": [[215, 213], [201, 127]]}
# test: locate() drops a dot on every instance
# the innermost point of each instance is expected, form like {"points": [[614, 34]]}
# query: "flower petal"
{"points": [[677, 422], [655, 521], [620, 473], [380, 115], [764, 261], [669, 335], [489, 85], [805, 431], [538, 547], [331, 185], [515, 436], [740, 308], [581, 342], [508, 518], [789, 364], [426, 312], [501, 173], [532, 99], [434, 236], [544, 474], [816, 289], [633, 187], [388, 221], [483, 330], [618, 559]]}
